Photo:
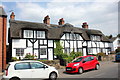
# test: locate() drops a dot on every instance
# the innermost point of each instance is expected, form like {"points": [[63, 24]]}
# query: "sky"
{"points": [[99, 14]]}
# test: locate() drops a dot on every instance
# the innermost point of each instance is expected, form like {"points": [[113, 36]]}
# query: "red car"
{"points": [[82, 63]]}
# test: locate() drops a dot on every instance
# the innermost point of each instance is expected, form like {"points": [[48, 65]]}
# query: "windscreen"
{"points": [[78, 59]]}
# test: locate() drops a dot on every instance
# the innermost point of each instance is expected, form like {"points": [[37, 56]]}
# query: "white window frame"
{"points": [[28, 33], [40, 34]]}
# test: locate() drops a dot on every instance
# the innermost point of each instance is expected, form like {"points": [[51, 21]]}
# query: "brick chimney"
{"points": [[85, 25], [61, 21], [12, 16], [47, 20]]}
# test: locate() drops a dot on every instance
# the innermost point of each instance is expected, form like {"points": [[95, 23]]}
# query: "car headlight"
{"points": [[76, 64]]}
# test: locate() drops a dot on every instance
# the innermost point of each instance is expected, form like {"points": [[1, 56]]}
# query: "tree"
{"points": [[109, 37], [118, 35]]}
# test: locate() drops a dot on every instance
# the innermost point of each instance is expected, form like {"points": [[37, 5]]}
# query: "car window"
{"points": [[35, 65], [77, 60], [87, 59], [118, 53], [20, 66], [92, 58]]}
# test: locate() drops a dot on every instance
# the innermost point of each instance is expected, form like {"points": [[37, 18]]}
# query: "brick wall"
{"points": [[1, 31], [3, 23], [4, 41]]}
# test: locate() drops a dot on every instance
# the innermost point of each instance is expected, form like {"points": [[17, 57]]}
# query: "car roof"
{"points": [[24, 61]]}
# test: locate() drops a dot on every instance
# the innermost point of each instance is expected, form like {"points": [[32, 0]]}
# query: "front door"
{"points": [[85, 50], [50, 53]]}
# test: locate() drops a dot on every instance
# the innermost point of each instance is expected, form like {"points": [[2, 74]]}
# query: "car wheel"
{"points": [[80, 71], [14, 78], [53, 76], [97, 66]]}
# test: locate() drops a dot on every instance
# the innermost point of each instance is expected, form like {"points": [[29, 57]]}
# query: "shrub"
{"points": [[72, 56], [117, 50], [101, 54], [15, 59], [30, 56], [75, 54]]}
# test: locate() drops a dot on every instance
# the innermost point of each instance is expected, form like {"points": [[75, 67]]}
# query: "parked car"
{"points": [[82, 63], [29, 69], [117, 56]]}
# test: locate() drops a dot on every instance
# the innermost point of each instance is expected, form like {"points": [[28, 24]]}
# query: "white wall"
{"points": [[115, 44], [18, 43]]}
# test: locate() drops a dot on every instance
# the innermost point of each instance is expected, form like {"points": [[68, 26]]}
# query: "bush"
{"points": [[101, 54], [117, 50], [30, 56], [15, 59], [75, 54], [72, 56]]}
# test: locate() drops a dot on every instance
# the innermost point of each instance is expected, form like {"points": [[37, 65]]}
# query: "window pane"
{"points": [[19, 52], [36, 65], [19, 66], [67, 35], [87, 59], [28, 34], [43, 51], [40, 34]]}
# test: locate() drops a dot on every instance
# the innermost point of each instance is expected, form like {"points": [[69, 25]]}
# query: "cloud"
{"points": [[99, 15]]}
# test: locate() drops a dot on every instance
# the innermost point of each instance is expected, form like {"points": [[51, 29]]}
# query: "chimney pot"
{"points": [[61, 21], [12, 16], [85, 25], [47, 20]]}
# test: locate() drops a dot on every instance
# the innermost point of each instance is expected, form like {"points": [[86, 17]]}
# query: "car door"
{"points": [[92, 62], [22, 70], [39, 70], [86, 63]]}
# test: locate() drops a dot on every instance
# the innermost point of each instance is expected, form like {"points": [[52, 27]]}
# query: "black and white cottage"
{"points": [[39, 38]]}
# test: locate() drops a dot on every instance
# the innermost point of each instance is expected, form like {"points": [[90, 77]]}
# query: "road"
{"points": [[108, 69]]}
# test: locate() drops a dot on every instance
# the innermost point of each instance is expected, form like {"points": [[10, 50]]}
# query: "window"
{"points": [[67, 50], [20, 66], [90, 50], [40, 34], [77, 59], [77, 36], [67, 35], [19, 52], [28, 34], [96, 38], [43, 51], [37, 34], [92, 58], [36, 65], [79, 50], [87, 59]]}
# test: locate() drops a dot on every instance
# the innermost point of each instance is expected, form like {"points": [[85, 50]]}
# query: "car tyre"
{"points": [[15, 78], [80, 70], [97, 66], [53, 76]]}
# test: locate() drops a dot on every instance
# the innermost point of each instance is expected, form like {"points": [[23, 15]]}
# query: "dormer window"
{"points": [[95, 38], [40, 34], [28, 33], [34, 34], [73, 36]]}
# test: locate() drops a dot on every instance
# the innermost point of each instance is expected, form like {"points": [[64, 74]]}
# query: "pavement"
{"points": [[1, 73]]}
